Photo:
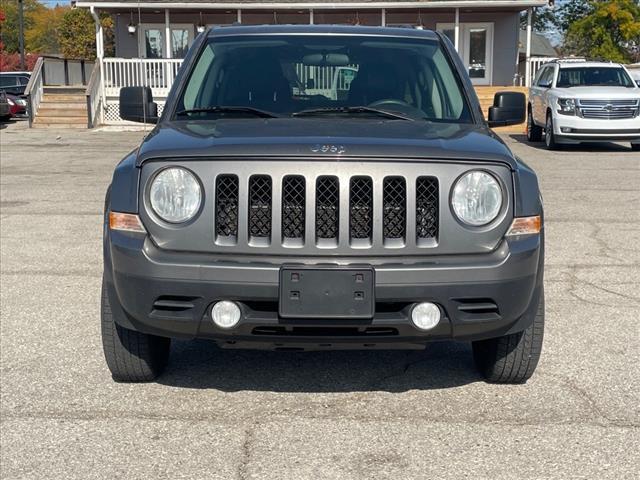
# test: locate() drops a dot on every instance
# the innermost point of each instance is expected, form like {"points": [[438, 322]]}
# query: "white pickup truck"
{"points": [[579, 101]]}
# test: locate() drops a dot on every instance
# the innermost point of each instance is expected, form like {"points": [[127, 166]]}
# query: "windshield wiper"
{"points": [[256, 112], [350, 110]]}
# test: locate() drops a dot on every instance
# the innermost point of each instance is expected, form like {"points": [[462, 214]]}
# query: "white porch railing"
{"points": [[158, 74], [35, 90]]}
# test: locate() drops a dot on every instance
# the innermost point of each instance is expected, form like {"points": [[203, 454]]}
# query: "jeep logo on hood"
{"points": [[318, 148]]}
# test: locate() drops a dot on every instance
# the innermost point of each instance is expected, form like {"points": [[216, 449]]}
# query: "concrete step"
{"points": [[58, 120], [64, 98], [63, 105], [64, 90], [61, 112], [77, 126]]}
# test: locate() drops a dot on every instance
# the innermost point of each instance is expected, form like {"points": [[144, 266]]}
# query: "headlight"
{"points": [[477, 198], [10, 102], [175, 195], [567, 106]]}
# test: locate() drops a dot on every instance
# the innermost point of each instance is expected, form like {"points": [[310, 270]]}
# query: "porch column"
{"points": [[167, 34], [239, 16], [384, 17], [99, 57], [456, 31], [527, 80], [311, 19]]}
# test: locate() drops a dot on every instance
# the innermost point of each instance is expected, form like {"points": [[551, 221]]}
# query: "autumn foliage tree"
{"points": [[610, 31], [77, 34]]}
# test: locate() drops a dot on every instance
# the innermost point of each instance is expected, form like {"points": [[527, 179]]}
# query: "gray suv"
{"points": [[262, 213]]}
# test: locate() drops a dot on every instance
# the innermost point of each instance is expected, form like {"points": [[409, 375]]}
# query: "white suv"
{"points": [[579, 101]]}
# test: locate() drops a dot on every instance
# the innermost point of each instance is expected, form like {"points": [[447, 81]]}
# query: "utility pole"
{"points": [[21, 33]]}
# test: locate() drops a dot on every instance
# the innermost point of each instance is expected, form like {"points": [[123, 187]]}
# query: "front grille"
{"points": [[395, 207], [373, 212], [427, 207], [293, 198], [226, 220], [260, 206], [609, 109], [361, 208], [327, 207]]}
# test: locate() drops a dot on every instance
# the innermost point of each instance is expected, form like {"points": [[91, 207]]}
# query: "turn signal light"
{"points": [[127, 222], [525, 226]]}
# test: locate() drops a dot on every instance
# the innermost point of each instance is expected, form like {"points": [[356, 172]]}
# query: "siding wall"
{"points": [[505, 35]]}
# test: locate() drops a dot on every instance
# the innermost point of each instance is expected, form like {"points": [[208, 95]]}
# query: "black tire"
{"points": [[635, 147], [131, 356], [534, 132], [549, 136], [512, 358]]}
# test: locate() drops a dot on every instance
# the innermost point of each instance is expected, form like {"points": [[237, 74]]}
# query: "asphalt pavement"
{"points": [[341, 415]]}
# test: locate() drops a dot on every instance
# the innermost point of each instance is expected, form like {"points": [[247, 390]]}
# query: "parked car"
{"points": [[579, 101], [14, 82], [17, 105], [262, 218], [5, 108]]}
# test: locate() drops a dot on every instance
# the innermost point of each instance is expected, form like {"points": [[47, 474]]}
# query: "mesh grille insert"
{"points": [[293, 203], [260, 206], [227, 206], [394, 207], [361, 207], [427, 207], [327, 198]]}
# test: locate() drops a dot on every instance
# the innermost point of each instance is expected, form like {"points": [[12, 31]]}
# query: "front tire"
{"points": [[549, 135], [131, 356], [511, 358], [534, 132]]}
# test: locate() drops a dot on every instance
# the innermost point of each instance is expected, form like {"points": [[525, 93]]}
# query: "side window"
{"points": [[546, 77], [24, 80], [539, 75]]}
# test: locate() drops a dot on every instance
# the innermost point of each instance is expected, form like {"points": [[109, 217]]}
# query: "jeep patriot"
{"points": [[265, 212]]}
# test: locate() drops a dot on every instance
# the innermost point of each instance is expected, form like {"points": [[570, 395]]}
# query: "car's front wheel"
{"points": [[534, 132], [549, 135], [511, 358], [131, 356]]}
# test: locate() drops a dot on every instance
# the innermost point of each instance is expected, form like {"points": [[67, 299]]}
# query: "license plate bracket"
{"points": [[330, 292]]}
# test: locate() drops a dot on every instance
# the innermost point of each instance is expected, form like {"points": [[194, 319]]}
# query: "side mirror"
{"points": [[137, 105], [509, 108]]}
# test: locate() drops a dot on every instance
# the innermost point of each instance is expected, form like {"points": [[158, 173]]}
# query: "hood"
{"points": [[598, 93], [334, 138]]}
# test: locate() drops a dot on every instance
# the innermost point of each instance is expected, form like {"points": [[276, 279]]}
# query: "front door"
{"points": [[152, 42], [475, 49]]}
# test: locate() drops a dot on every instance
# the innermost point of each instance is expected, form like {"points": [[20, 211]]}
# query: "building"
{"points": [[151, 37]]}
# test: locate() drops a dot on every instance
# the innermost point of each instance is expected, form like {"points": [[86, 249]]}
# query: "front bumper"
{"points": [[594, 130], [170, 294]]}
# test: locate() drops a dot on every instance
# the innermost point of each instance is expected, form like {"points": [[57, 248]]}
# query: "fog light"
{"points": [[425, 315], [225, 314], [566, 129]]}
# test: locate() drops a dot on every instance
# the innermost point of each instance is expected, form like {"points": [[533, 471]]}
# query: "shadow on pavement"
{"points": [[581, 147], [202, 365]]}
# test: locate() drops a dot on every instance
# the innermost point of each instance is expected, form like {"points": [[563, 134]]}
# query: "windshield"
{"points": [[593, 77], [306, 75]]}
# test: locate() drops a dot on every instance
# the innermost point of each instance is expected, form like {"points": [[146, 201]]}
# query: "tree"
{"points": [[10, 26], [611, 31], [77, 34], [42, 37]]}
